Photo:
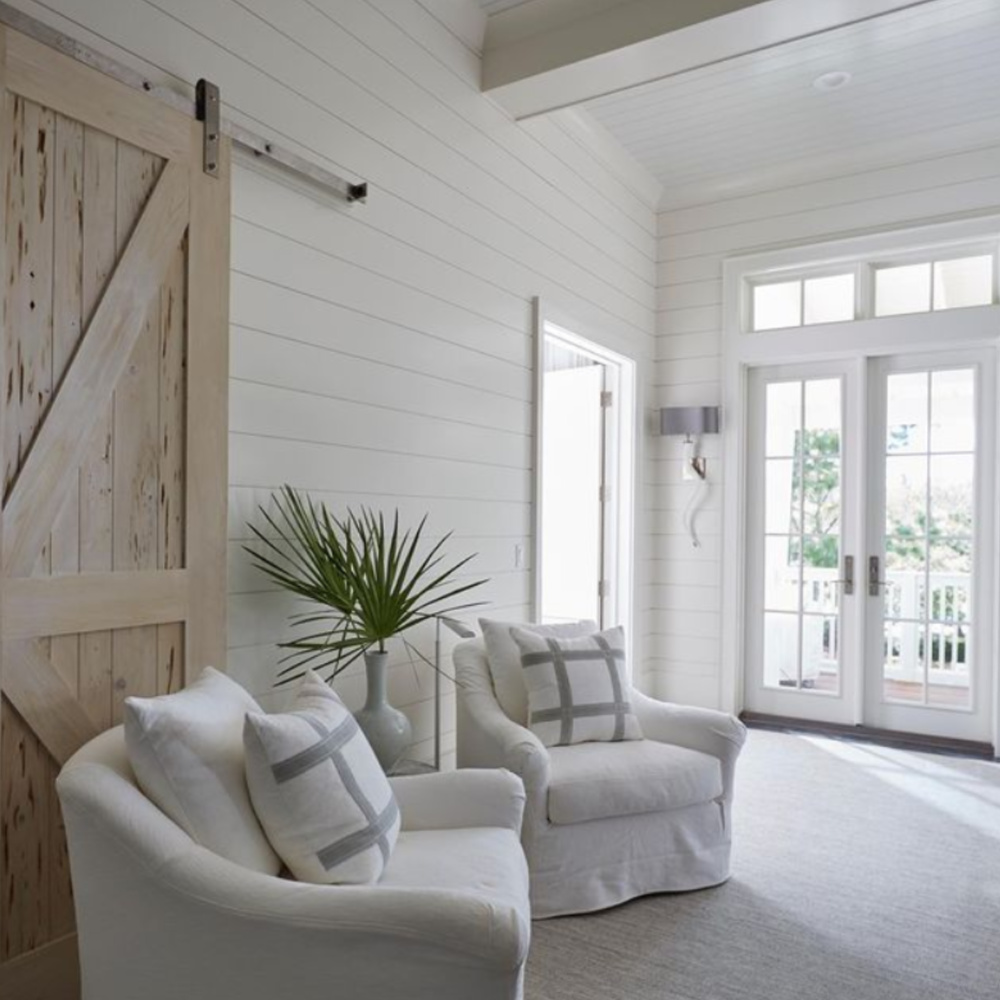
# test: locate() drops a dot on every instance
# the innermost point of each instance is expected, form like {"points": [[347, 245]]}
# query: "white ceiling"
{"points": [[925, 80]]}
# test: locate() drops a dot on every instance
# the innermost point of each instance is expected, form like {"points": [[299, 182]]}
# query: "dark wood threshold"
{"points": [[868, 734]]}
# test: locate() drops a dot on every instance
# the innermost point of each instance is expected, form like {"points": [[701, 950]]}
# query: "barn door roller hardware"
{"points": [[206, 109]]}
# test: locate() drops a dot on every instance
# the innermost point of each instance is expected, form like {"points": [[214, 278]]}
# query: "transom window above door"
{"points": [[872, 287]]}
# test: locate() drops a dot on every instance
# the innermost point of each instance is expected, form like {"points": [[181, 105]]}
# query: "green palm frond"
{"points": [[368, 578]]}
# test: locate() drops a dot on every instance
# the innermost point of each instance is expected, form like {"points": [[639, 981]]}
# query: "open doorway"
{"points": [[584, 492]]}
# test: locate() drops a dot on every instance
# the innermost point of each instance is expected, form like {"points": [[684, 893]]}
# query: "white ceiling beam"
{"points": [[547, 54]]}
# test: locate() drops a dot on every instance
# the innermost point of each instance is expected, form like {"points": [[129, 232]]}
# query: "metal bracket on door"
{"points": [[208, 113]]}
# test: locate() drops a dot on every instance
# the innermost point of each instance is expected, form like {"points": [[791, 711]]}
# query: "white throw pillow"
{"points": [[318, 789], [505, 660], [578, 689], [186, 751]]}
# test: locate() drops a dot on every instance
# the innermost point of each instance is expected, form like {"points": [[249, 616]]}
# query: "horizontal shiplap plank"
{"points": [[693, 319], [700, 691], [689, 345], [281, 259], [261, 305], [490, 556], [345, 237], [674, 597], [683, 572], [271, 461], [465, 516], [257, 618], [321, 409], [686, 371]]}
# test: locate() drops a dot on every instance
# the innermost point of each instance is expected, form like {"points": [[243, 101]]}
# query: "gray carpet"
{"points": [[860, 873]]}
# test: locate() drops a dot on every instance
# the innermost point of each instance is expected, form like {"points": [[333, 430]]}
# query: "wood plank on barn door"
{"points": [[136, 454], [26, 819], [208, 411], [64, 542], [100, 197]]}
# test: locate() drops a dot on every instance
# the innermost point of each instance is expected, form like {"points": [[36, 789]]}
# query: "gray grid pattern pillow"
{"points": [[577, 688], [319, 792]]}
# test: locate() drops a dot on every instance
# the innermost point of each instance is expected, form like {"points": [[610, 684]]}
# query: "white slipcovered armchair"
{"points": [[606, 822], [162, 918]]}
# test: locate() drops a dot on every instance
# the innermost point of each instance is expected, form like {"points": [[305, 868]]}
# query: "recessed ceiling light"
{"points": [[834, 80]]}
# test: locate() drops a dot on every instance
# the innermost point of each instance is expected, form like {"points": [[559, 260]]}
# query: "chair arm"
{"points": [[458, 799], [716, 733], [499, 742]]}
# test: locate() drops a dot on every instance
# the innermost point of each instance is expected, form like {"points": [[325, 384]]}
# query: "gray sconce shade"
{"points": [[689, 420]]}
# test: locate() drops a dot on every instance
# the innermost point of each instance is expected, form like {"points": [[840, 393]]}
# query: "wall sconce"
{"points": [[692, 422]]}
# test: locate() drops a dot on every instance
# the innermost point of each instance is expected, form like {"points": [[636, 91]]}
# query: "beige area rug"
{"points": [[860, 873]]}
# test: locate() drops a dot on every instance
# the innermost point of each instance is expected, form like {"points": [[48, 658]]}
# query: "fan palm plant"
{"points": [[370, 580]]}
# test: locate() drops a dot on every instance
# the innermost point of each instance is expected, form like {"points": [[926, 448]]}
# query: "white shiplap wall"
{"points": [[381, 354], [684, 622]]}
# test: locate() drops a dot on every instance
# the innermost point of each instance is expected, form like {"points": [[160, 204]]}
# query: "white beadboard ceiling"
{"points": [[925, 81]]}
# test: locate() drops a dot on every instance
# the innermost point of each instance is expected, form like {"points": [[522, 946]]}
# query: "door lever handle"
{"points": [[875, 584], [848, 579]]}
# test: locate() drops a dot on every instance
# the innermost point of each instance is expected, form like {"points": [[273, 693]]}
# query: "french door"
{"points": [[871, 542]]}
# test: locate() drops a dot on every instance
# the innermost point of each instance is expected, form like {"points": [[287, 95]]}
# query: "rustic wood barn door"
{"points": [[113, 355]]}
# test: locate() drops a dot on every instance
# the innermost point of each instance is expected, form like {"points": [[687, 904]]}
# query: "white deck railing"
{"points": [[949, 595]]}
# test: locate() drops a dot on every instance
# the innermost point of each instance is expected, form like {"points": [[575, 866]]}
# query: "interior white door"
{"points": [[929, 587], [572, 532], [803, 636]]}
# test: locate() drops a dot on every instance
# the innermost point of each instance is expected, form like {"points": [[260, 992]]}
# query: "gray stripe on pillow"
{"points": [[616, 687], [319, 752], [581, 711], [354, 843], [361, 801], [534, 659], [565, 692]]}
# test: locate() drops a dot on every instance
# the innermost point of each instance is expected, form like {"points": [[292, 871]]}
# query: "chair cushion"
{"points": [[186, 751], [323, 800], [505, 660], [487, 862], [578, 689], [601, 780]]}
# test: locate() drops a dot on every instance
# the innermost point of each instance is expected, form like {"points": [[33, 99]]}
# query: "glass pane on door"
{"points": [[802, 525], [930, 493]]}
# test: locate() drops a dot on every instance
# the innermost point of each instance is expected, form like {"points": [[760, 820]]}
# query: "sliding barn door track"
{"points": [[205, 108]]}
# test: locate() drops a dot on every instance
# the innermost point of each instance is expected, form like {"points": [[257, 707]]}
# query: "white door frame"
{"points": [[860, 339], [623, 447]]}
